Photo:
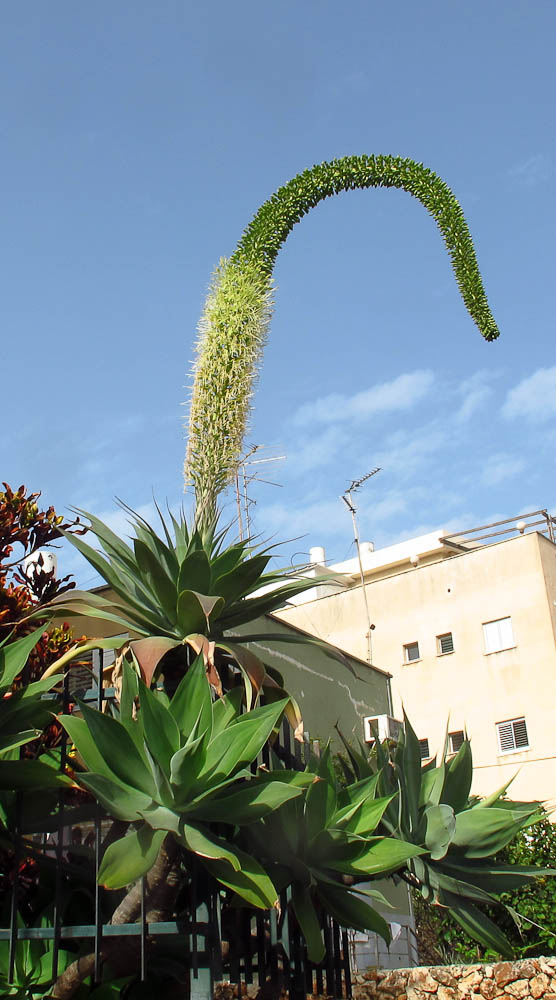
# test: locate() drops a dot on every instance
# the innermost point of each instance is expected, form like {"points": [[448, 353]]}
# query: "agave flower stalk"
{"points": [[234, 324]]}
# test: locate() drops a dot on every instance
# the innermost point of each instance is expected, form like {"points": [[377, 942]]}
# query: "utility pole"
{"points": [[348, 500]]}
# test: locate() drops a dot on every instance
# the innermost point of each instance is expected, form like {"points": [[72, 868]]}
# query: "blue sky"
{"points": [[138, 139]]}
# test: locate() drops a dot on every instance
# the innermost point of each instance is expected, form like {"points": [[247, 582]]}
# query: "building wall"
{"points": [[470, 688]]}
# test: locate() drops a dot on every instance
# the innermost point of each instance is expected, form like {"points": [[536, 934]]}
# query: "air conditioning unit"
{"points": [[387, 728]]}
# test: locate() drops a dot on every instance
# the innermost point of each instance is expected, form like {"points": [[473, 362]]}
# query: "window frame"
{"points": [[520, 719], [458, 733], [504, 643], [427, 755], [439, 650], [410, 645]]}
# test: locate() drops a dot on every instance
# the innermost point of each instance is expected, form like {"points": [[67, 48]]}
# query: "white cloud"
{"points": [[534, 398], [475, 392], [405, 452], [531, 171], [318, 450], [500, 468], [399, 394], [326, 518]]}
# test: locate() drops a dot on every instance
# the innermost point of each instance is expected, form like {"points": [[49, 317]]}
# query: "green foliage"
{"points": [[177, 767], [32, 976], [529, 922], [234, 325], [23, 713], [314, 844], [462, 835], [187, 589]]}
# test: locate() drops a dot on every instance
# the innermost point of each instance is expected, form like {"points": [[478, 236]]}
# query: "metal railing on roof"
{"points": [[537, 520]]}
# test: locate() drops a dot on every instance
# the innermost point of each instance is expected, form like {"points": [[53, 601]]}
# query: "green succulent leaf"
{"points": [[352, 911], [458, 778], [160, 728], [14, 656], [440, 826], [308, 920], [195, 574], [479, 926], [191, 705], [239, 744], [120, 801], [249, 803], [30, 774], [383, 855], [130, 857], [115, 744]]}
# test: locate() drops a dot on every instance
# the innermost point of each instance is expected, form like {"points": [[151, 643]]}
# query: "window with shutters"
{"points": [[498, 635], [424, 748], [445, 643], [456, 740], [512, 736], [411, 652]]}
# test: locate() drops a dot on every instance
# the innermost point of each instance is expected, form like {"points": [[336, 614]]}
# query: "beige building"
{"points": [[466, 624]]}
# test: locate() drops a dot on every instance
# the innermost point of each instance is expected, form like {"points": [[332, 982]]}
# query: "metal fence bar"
{"points": [[346, 965], [143, 929], [15, 889], [97, 976], [60, 838], [337, 959]]}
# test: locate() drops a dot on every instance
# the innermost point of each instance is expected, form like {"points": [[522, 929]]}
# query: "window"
{"points": [[456, 740], [411, 652], [512, 736], [424, 748], [498, 635], [445, 643]]}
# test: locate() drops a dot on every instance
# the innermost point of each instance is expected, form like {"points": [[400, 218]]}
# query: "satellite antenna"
{"points": [[347, 497]]}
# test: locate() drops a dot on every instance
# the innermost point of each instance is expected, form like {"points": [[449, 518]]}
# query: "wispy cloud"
{"points": [[534, 398], [530, 171], [399, 394], [500, 468], [475, 392], [404, 452]]}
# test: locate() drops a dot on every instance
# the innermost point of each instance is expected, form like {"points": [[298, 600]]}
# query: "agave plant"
{"points": [[174, 767], [460, 833], [32, 973], [189, 589], [315, 844]]}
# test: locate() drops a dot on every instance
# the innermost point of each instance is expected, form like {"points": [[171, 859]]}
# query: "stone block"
{"points": [[539, 985], [471, 981], [504, 973], [446, 993], [528, 968], [519, 988], [421, 979], [488, 989], [445, 977]]}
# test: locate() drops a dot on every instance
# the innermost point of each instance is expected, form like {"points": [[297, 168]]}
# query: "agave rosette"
{"points": [[189, 589], [316, 843], [176, 767], [460, 833]]}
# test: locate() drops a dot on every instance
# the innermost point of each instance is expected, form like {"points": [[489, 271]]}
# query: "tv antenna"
{"points": [[347, 497], [242, 480]]}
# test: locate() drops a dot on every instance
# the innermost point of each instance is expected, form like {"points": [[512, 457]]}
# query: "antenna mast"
{"points": [[243, 500], [354, 486]]}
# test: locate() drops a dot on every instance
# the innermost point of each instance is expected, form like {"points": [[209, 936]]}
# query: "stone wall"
{"points": [[533, 978]]}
